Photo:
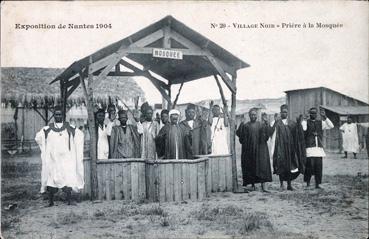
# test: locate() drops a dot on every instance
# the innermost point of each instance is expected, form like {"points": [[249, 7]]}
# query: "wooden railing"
{"points": [[160, 180]]}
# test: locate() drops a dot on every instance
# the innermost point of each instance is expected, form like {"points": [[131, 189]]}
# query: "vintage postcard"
{"points": [[184, 119]]}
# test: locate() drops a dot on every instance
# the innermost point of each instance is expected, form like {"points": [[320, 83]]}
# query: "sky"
{"points": [[280, 58]]}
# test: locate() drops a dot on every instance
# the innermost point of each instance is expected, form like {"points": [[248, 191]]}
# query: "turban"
{"points": [[174, 111]]}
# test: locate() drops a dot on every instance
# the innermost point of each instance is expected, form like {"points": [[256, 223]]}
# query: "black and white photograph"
{"points": [[184, 119]]}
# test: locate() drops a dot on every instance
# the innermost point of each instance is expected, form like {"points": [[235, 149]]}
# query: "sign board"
{"points": [[343, 117], [166, 53]]}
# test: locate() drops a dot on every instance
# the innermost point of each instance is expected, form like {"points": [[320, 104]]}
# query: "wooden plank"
{"points": [[126, 168], [149, 179], [222, 174], [134, 181], [100, 181], [141, 181], [209, 181], [88, 178], [228, 174], [201, 190], [185, 187], [232, 137], [162, 182], [169, 182], [193, 181], [177, 178], [117, 181], [154, 183], [107, 182], [103, 181], [215, 174]]}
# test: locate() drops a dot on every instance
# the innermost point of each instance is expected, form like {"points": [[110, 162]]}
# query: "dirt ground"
{"points": [[339, 210]]}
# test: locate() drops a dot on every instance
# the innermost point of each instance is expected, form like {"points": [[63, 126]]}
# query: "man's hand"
{"points": [[211, 104], [264, 118], [136, 115]]}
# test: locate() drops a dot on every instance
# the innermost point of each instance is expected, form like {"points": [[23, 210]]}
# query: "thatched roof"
{"points": [[29, 86]]}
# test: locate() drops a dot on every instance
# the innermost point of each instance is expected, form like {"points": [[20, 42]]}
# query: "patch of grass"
{"points": [[99, 214], [68, 218], [154, 210], [212, 213], [9, 222], [254, 221], [164, 221]]}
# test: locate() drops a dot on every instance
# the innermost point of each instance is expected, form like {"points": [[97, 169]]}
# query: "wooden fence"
{"points": [[160, 180]]}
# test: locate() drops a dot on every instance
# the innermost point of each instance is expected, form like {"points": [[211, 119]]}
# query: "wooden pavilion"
{"points": [[169, 53]]}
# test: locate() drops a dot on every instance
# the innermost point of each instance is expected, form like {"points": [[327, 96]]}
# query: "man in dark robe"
{"points": [[164, 118], [314, 147], [255, 161], [124, 140], [289, 150], [170, 142], [195, 130]]}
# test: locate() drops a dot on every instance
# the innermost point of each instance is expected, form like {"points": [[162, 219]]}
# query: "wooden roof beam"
{"points": [[231, 86], [161, 86], [144, 73], [189, 44]]}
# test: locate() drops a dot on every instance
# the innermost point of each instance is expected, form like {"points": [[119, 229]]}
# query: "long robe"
{"points": [[289, 154], [350, 138], [255, 161], [196, 137], [219, 137], [125, 144], [102, 142], [61, 156], [148, 131], [170, 143]]}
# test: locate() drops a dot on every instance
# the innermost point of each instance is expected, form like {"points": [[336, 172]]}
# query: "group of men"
{"points": [[164, 138], [296, 148]]}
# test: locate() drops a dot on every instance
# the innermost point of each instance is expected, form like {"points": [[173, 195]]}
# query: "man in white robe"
{"points": [[350, 137], [219, 132], [62, 157], [102, 135], [148, 130]]}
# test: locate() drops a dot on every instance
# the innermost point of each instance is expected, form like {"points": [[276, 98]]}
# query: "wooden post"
{"points": [[233, 136], [92, 129], [170, 96]]}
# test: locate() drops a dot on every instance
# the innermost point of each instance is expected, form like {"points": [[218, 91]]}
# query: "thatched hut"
{"points": [[27, 99]]}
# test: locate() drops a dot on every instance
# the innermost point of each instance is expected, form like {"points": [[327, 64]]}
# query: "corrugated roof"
{"points": [[325, 88], [190, 68], [348, 110]]}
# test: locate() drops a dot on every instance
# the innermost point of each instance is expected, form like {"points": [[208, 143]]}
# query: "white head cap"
{"points": [[174, 111]]}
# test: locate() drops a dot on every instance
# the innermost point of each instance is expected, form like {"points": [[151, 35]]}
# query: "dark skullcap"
{"points": [[284, 106], [164, 112], [191, 106]]}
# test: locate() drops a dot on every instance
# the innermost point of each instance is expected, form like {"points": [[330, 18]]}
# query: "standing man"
{"points": [[350, 137], [111, 120], [219, 133], [255, 161], [170, 142], [164, 118], [124, 140], [102, 135], [314, 148], [61, 147], [289, 148], [195, 131], [148, 129]]}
